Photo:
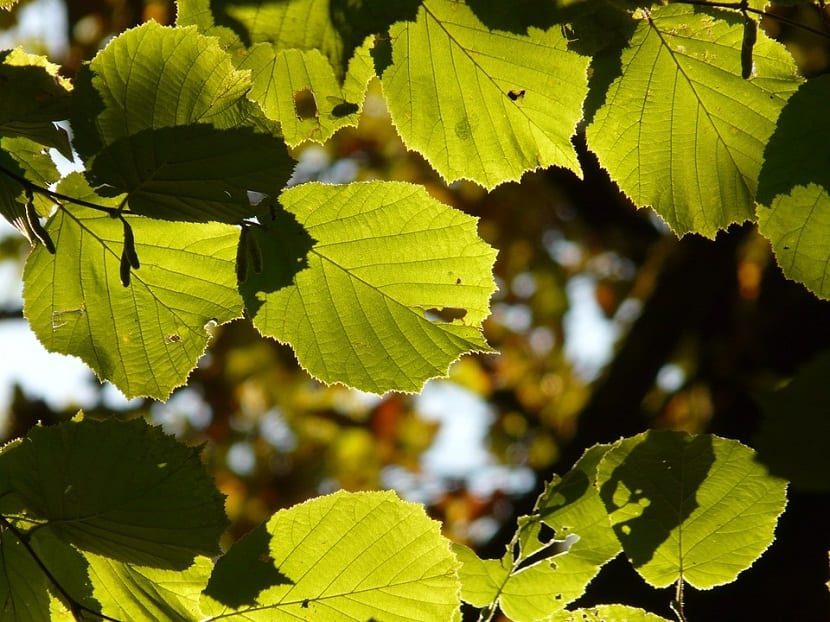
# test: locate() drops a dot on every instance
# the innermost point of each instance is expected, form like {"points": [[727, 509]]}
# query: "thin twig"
{"points": [[57, 196]]}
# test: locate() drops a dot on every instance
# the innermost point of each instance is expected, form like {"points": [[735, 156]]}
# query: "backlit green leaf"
{"points": [[350, 556], [483, 104], [145, 338], [299, 89], [23, 586], [384, 265], [680, 130], [699, 509], [145, 499]]}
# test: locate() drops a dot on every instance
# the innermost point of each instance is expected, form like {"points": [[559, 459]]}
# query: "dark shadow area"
{"points": [[245, 571], [284, 244], [87, 104], [193, 173], [798, 150], [667, 498]]}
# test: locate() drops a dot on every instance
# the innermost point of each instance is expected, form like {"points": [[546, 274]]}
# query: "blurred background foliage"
{"points": [[606, 325]]}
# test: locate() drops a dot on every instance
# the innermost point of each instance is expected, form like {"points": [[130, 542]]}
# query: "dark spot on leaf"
{"points": [[172, 339], [458, 281], [516, 94], [786, 248], [344, 109], [446, 314], [305, 604], [305, 104]]}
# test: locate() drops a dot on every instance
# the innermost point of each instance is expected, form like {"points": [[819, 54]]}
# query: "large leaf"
{"points": [[144, 499], [348, 556], [482, 104], [698, 509], [34, 97], [794, 188], [535, 585], [299, 89], [130, 105], [144, 338], [393, 287], [680, 129]]}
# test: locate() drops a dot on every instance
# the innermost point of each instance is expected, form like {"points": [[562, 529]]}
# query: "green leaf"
{"points": [[794, 187], [572, 507], [130, 592], [694, 508], [607, 613], [147, 337], [482, 104], [33, 98], [796, 225], [299, 89], [349, 556], [795, 432], [539, 583], [195, 173], [386, 260], [145, 499], [679, 129]]}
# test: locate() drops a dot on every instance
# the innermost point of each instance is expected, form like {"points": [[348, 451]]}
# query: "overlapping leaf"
{"points": [[145, 338], [480, 104], [794, 188], [334, 27], [392, 288], [299, 89], [356, 556], [35, 96], [145, 499], [680, 130], [170, 124], [694, 508], [23, 586], [548, 574]]}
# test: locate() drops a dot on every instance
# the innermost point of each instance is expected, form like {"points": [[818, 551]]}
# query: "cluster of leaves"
{"points": [[125, 536], [180, 220]]}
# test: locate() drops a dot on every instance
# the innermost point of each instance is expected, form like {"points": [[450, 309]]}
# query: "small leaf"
{"points": [[381, 254], [145, 499], [355, 556], [296, 87], [679, 129], [145, 338], [608, 613], [694, 508], [451, 101]]}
